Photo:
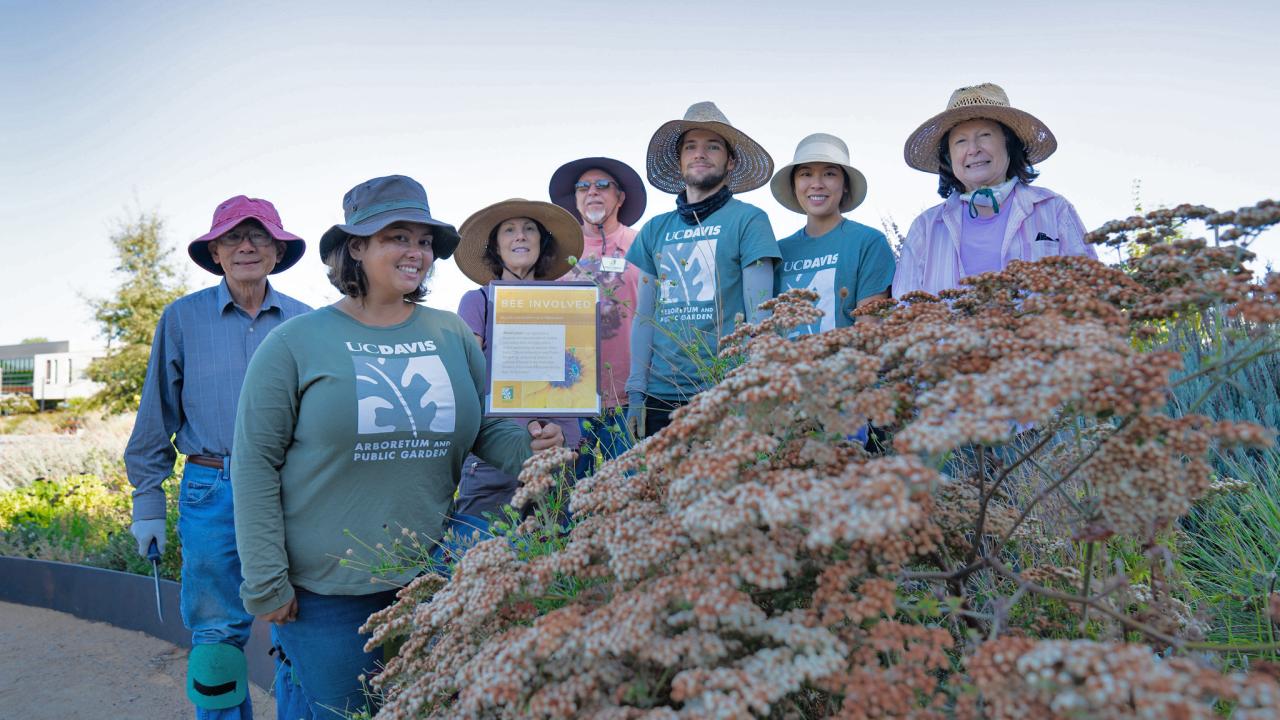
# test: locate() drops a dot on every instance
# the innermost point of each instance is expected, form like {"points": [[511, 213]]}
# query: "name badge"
{"points": [[613, 264]]}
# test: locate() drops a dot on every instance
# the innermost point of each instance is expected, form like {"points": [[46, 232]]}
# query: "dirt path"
{"points": [[56, 666]]}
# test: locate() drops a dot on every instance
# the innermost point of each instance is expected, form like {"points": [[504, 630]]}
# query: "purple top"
{"points": [[980, 241], [1041, 224]]}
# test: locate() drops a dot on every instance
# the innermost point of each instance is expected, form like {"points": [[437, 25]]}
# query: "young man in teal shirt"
{"points": [[702, 266]]}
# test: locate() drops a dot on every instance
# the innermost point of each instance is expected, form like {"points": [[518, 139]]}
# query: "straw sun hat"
{"points": [[564, 228], [752, 168], [987, 101], [828, 150]]}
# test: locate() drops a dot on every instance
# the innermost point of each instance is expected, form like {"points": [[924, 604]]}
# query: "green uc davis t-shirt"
{"points": [[845, 266], [346, 433], [699, 272]]}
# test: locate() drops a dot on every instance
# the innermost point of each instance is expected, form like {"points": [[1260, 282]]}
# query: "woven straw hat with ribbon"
{"points": [[987, 101], [826, 150], [753, 165], [564, 229]]}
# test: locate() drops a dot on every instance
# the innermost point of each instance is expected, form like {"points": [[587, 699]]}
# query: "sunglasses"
{"points": [[585, 185]]}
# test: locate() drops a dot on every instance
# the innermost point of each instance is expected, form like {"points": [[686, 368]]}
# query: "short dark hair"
{"points": [[546, 251], [1013, 145], [346, 273]]}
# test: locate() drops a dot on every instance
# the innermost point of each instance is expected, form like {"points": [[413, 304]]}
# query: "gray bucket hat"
{"points": [[375, 204], [826, 149]]}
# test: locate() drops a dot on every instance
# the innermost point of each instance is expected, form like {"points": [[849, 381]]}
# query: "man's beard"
{"points": [[595, 216], [707, 182]]}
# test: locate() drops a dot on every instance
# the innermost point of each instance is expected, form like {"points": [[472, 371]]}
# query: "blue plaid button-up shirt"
{"points": [[198, 359]]}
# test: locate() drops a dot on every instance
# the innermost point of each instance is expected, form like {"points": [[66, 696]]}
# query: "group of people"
{"points": [[365, 416]]}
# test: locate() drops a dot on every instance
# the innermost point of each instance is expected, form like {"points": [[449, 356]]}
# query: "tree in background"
{"points": [[129, 317]]}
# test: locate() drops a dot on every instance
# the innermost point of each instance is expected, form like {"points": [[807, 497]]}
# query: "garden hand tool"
{"points": [[153, 554]]}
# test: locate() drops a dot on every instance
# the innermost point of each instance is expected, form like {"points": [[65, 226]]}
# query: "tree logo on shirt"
{"points": [[403, 395], [822, 282], [688, 272]]}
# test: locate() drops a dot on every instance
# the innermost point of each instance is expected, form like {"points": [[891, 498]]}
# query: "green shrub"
{"points": [[81, 519]]}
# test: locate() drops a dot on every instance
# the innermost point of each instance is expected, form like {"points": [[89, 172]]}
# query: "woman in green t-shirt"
{"points": [[845, 262], [352, 424]]}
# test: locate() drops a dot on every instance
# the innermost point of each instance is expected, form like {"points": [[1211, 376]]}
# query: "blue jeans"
{"points": [[607, 434], [326, 650], [210, 597]]}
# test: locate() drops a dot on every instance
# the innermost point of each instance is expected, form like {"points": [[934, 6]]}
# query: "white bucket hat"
{"points": [[826, 149], [752, 165], [987, 101]]}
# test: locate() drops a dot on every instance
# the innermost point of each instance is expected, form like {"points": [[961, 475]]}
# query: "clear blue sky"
{"points": [[176, 106]]}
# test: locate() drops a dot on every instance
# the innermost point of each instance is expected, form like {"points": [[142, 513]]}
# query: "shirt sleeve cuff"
{"points": [[269, 601], [149, 505]]}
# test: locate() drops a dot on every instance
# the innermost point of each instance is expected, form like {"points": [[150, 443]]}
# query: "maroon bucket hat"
{"points": [[236, 210]]}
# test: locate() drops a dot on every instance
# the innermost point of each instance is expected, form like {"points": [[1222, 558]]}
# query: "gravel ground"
{"points": [[55, 666]]}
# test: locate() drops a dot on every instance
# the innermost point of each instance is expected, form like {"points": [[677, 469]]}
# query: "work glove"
{"points": [[635, 414], [144, 531]]}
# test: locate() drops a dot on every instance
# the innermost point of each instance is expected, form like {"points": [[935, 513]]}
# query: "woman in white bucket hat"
{"points": [[983, 150], [845, 262]]}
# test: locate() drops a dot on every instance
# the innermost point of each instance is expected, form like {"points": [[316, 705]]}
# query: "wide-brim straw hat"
{"points": [[987, 101], [827, 150], [233, 211], [374, 204], [564, 229], [752, 168], [564, 194]]}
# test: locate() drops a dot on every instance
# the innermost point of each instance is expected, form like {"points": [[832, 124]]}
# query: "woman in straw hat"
{"points": [[983, 150], [845, 262], [355, 419], [510, 240]]}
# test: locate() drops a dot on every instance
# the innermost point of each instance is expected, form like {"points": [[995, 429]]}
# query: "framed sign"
{"points": [[544, 349]]}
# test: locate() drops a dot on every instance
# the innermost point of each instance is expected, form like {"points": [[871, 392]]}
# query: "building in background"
{"points": [[47, 372]]}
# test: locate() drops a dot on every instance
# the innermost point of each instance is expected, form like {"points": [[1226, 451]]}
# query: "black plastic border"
{"points": [[121, 599]]}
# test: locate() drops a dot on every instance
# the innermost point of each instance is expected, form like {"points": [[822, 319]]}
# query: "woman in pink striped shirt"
{"points": [[983, 150]]}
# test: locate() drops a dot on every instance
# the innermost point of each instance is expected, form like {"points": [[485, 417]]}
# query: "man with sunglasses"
{"points": [[607, 197], [202, 347]]}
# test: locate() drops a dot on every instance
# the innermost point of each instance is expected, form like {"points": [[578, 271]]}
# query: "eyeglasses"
{"points": [[585, 185], [234, 239]]}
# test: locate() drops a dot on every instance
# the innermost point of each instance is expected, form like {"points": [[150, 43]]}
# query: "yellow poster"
{"points": [[544, 349]]}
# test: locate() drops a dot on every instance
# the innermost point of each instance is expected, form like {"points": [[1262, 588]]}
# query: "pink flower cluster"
{"points": [[750, 560]]}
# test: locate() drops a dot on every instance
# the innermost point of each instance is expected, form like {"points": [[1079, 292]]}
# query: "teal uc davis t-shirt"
{"points": [[345, 434], [845, 266], [699, 272]]}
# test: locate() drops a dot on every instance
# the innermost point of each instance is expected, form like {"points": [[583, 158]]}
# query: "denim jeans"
{"points": [[326, 651], [210, 598], [607, 434]]}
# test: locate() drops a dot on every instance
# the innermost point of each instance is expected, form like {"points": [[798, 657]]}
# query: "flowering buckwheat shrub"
{"points": [[750, 560]]}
